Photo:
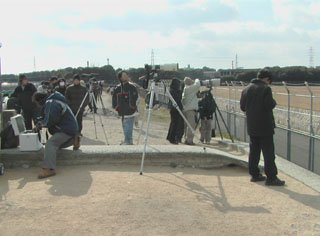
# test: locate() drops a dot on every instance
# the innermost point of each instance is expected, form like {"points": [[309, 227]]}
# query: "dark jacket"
{"points": [[61, 90], [58, 116], [124, 99], [24, 97], [207, 106], [176, 93], [75, 95], [257, 102]]}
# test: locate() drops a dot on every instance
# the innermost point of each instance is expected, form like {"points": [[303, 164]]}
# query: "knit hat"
{"points": [[22, 77], [188, 81], [76, 76]]}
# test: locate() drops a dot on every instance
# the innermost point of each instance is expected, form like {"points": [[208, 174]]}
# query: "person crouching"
{"points": [[62, 125]]}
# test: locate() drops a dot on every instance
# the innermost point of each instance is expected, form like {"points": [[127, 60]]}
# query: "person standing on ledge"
{"points": [[258, 104], [190, 106], [23, 93], [124, 100], [75, 94]]}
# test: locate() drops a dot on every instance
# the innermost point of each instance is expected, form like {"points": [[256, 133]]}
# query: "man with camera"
{"points": [[258, 104], [207, 107], [74, 95], [124, 100], [190, 105], [62, 125]]}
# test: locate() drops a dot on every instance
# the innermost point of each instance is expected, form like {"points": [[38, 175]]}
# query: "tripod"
{"points": [[91, 95], [216, 119], [150, 107]]}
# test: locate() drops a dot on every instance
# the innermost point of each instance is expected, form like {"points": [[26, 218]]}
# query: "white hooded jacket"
{"points": [[189, 96]]}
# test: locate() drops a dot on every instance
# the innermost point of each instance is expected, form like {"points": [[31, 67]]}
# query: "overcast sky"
{"points": [[63, 33]]}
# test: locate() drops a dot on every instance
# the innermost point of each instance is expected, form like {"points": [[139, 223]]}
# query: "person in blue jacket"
{"points": [[62, 125]]}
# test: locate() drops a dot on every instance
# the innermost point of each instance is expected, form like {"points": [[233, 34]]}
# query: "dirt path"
{"points": [[115, 200]]}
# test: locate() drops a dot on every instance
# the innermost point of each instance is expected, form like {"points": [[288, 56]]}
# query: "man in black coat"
{"points": [[176, 128], [74, 95], [23, 93], [257, 102]]}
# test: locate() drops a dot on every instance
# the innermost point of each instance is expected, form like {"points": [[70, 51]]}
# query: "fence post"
{"points": [[245, 120], [288, 125], [234, 110], [229, 105], [311, 142]]}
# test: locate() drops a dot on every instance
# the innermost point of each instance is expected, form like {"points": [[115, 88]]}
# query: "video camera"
{"points": [[152, 72], [211, 83]]}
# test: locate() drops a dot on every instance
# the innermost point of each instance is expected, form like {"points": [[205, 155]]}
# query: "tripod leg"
{"points": [[142, 124], [95, 126], [218, 125], [82, 104], [101, 123], [148, 125], [225, 125]]}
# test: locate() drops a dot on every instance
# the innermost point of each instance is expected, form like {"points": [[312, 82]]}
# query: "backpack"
{"points": [[8, 139], [207, 106]]}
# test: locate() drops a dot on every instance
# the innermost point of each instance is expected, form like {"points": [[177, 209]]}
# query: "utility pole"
{"points": [[236, 61], [34, 64], [152, 57], [311, 57]]}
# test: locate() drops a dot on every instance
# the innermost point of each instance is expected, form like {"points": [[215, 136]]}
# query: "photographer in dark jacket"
{"points": [[61, 86], [207, 107], [24, 93], [176, 128], [257, 102], [62, 125], [74, 95], [124, 100]]}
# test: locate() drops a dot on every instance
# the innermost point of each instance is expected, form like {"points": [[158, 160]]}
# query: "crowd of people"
{"points": [[57, 106], [61, 108]]}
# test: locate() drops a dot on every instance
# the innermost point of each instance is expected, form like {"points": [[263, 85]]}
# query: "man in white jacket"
{"points": [[190, 105]]}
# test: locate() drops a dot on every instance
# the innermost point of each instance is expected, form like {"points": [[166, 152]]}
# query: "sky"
{"points": [[68, 33]]}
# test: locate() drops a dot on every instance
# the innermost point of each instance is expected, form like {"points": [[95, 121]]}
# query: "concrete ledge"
{"points": [[162, 155]]}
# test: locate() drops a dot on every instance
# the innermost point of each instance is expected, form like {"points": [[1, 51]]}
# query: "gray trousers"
{"points": [[190, 116], [55, 142], [205, 130]]}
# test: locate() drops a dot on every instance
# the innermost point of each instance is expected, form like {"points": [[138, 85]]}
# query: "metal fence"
{"points": [[298, 145]]}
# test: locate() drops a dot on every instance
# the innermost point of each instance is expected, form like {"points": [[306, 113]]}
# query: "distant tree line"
{"points": [[108, 74], [296, 74]]}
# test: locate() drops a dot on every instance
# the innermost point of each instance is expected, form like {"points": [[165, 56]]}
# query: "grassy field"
{"points": [[280, 95]]}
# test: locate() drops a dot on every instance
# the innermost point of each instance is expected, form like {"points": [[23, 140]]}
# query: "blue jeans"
{"points": [[127, 125]]}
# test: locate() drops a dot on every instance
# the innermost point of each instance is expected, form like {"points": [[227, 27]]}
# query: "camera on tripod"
{"points": [[211, 83], [152, 72]]}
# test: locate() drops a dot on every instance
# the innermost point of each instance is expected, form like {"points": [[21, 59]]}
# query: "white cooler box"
{"points": [[28, 141]]}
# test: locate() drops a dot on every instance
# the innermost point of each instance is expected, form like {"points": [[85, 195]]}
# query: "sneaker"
{"points": [[76, 143], [275, 182], [189, 143], [174, 142], [45, 173], [126, 143], [259, 178]]}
